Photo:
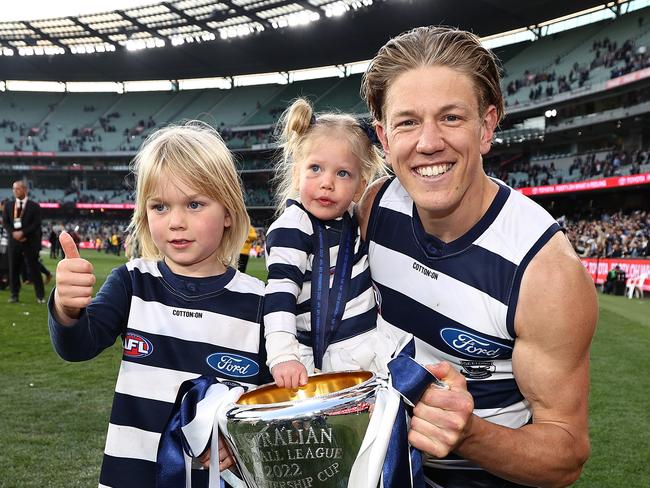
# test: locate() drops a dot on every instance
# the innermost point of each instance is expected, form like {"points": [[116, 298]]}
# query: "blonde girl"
{"points": [[320, 310]]}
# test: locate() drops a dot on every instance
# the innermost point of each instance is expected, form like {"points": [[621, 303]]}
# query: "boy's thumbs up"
{"points": [[74, 283], [69, 247]]}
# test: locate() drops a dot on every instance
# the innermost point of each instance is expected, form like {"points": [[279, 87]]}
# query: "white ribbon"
{"points": [[367, 468], [205, 424]]}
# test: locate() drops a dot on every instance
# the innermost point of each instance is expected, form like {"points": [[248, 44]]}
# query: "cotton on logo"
{"points": [[136, 346]]}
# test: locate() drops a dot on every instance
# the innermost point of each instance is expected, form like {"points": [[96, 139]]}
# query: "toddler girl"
{"points": [[319, 311]]}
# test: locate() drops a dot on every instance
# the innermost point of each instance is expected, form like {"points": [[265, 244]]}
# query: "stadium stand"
{"points": [[572, 59], [565, 61], [74, 148]]}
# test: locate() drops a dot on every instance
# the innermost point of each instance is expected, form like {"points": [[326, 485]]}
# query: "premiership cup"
{"points": [[303, 438]]}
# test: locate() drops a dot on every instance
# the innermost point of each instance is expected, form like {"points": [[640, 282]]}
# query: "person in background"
{"points": [[4, 252], [98, 243], [246, 249], [259, 249], [76, 238], [115, 244], [54, 244], [26, 273], [22, 220]]}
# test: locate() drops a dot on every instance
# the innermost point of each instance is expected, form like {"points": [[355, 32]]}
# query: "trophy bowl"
{"points": [[307, 437]]}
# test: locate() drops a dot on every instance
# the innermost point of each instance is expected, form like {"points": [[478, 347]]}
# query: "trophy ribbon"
{"points": [[403, 463], [191, 428], [367, 468]]}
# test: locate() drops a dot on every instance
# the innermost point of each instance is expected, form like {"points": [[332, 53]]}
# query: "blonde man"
{"points": [[497, 300]]}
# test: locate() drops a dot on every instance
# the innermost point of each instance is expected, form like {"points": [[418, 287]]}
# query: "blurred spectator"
{"points": [[246, 249], [54, 243]]}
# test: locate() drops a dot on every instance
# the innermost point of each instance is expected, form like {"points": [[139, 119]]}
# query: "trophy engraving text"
{"points": [[302, 443]]}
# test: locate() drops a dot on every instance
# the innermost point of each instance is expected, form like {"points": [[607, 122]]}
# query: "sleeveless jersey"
{"points": [[458, 299]]}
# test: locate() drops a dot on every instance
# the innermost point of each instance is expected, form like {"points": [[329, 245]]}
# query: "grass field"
{"points": [[53, 414]]}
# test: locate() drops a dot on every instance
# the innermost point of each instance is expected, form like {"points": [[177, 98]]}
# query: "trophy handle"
{"points": [[229, 397], [367, 468], [220, 424]]}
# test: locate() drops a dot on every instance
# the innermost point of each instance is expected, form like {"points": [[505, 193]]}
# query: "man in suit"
{"points": [[22, 219]]}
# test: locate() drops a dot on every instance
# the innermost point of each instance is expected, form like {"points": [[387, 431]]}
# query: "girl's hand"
{"points": [[289, 374]]}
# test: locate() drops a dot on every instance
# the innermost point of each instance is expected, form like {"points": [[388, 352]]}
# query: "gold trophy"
{"points": [[312, 436]]}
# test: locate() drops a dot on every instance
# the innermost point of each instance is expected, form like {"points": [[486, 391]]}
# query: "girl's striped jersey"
{"points": [[290, 250]]}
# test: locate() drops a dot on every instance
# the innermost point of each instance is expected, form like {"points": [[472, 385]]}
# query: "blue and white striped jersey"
{"points": [[459, 298], [173, 328], [287, 305]]}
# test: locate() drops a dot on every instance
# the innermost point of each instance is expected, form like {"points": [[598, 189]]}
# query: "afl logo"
{"points": [[136, 346], [233, 365], [472, 345]]}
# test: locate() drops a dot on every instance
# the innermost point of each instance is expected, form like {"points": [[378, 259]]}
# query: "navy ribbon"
{"points": [[369, 129], [328, 304], [170, 462], [403, 463]]}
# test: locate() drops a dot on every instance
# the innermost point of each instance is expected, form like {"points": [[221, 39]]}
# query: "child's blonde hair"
{"points": [[299, 126], [195, 154]]}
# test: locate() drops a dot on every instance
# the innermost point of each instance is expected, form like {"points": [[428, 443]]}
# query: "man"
{"points": [[498, 302], [4, 251], [22, 219]]}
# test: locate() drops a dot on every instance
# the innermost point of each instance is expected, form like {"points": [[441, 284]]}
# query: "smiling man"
{"points": [[497, 300]]}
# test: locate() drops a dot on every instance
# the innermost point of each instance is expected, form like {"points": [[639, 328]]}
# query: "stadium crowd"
{"points": [[607, 235], [106, 235], [610, 235], [619, 58], [591, 165]]}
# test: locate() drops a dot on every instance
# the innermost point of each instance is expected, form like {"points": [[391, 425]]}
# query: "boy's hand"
{"points": [[289, 374], [74, 283]]}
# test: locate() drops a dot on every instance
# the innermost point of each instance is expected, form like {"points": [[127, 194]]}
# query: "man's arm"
{"points": [[364, 206], [554, 322]]}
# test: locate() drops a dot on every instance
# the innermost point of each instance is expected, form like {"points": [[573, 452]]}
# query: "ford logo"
{"points": [[233, 364], [473, 345]]}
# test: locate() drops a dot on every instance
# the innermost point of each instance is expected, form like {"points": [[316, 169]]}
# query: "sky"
{"points": [[49, 9]]}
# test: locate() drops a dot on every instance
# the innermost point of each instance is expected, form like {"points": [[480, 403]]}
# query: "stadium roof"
{"points": [[201, 38]]}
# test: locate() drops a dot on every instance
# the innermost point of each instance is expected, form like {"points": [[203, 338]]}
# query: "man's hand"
{"points": [[225, 458], [442, 418], [74, 283], [289, 374], [18, 235]]}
